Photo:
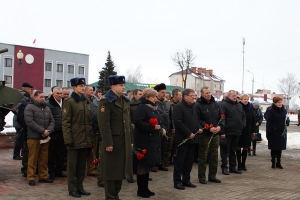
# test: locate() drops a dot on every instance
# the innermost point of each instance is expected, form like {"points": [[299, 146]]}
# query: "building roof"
{"points": [[201, 75]]}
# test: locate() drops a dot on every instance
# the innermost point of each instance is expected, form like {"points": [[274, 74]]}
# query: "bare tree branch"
{"points": [[183, 60], [289, 86], [134, 75]]}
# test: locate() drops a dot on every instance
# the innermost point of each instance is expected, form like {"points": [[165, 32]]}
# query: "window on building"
{"points": [[8, 79], [8, 62], [60, 67], [81, 70], [69, 84], [70, 68], [48, 66], [47, 82], [59, 83]]}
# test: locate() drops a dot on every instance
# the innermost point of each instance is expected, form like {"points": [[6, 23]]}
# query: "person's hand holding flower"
{"points": [[192, 136], [157, 127]]}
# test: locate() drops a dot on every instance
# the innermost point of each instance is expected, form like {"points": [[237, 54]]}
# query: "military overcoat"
{"points": [[114, 124], [76, 122]]}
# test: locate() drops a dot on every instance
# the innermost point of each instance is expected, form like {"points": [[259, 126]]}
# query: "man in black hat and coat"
{"points": [[19, 139], [164, 108]]}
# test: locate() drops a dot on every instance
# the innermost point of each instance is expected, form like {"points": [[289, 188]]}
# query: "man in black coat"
{"points": [[164, 108], [94, 102], [235, 121], [19, 139], [21, 121], [57, 148], [186, 126], [209, 114]]}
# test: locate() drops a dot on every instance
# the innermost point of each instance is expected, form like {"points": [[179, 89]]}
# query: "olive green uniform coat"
{"points": [[77, 130], [77, 122], [114, 124]]}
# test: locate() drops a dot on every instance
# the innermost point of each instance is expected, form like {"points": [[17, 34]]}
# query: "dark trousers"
{"points": [[112, 189], [25, 155], [18, 143], [76, 168], [165, 154], [183, 163], [232, 141], [224, 155], [56, 154]]}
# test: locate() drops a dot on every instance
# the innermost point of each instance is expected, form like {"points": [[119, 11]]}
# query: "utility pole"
{"points": [[243, 65], [252, 98]]}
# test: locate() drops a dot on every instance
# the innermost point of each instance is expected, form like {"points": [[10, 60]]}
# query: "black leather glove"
{"points": [[71, 145]]}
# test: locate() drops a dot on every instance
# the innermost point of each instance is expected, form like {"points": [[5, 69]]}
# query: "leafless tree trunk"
{"points": [[289, 86], [134, 75], [184, 60]]}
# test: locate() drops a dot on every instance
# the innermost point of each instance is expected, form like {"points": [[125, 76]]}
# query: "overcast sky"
{"points": [[147, 33]]}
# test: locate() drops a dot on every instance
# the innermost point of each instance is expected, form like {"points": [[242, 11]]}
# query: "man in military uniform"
{"points": [[114, 123], [208, 113], [77, 131]]}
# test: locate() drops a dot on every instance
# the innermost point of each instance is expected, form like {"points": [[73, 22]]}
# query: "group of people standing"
{"points": [[142, 134]]}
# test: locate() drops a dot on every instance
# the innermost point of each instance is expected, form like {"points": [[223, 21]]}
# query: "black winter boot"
{"points": [[238, 157], [278, 164], [254, 147], [146, 184], [273, 158], [141, 186], [244, 157]]}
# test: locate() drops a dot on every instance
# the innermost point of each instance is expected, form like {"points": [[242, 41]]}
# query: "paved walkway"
{"points": [[259, 182]]}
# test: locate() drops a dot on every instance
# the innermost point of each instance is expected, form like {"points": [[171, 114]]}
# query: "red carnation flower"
{"points": [[153, 121], [139, 156]]}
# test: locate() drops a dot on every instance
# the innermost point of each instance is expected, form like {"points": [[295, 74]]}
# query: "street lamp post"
{"points": [[252, 85], [20, 56]]}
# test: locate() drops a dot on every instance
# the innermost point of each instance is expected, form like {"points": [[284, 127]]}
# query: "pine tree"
{"points": [[105, 73]]}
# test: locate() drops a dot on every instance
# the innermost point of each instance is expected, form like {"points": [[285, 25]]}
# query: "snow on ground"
{"points": [[293, 118], [293, 139]]}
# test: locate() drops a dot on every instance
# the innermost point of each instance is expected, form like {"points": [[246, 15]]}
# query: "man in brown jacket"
{"points": [[40, 124], [114, 124]]}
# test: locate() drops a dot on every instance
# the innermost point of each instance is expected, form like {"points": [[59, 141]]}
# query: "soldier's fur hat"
{"points": [[115, 80], [77, 81]]}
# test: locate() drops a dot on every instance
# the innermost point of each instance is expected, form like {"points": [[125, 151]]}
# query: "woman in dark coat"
{"points": [[276, 130], [247, 132], [147, 136]]}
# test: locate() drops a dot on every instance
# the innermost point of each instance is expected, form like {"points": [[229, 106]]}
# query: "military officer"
{"points": [[77, 132], [114, 124]]}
